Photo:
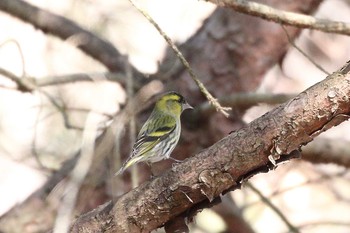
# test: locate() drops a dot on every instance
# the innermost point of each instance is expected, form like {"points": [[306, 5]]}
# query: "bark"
{"points": [[226, 164]]}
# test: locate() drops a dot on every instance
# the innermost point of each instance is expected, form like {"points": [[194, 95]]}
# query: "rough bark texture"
{"points": [[224, 165]]}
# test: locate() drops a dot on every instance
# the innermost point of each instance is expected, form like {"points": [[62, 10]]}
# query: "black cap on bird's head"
{"points": [[172, 99], [172, 95]]}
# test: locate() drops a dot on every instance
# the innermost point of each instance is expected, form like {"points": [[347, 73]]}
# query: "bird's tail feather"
{"points": [[127, 164]]}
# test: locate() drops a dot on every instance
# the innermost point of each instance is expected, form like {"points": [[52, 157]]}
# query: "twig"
{"points": [[326, 151], [50, 23], [79, 77], [23, 84], [285, 17], [201, 86], [244, 100], [20, 53], [321, 179], [35, 134], [325, 223], [26, 85], [303, 53], [29, 85], [273, 207]]}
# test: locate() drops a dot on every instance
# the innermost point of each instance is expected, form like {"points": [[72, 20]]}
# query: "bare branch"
{"points": [[23, 84], [303, 53], [18, 46], [79, 77], [59, 26], [266, 200], [323, 150], [243, 100], [285, 17]]}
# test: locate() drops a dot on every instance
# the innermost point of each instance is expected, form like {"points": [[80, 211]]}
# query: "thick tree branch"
{"points": [[223, 166], [285, 17]]}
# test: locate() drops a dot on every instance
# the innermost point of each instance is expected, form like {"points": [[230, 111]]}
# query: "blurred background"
{"points": [[230, 57]]}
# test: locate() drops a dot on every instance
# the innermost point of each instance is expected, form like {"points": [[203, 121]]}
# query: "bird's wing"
{"points": [[147, 139]]}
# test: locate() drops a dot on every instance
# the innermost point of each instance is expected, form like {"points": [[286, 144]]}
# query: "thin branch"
{"points": [[337, 223], [18, 46], [79, 77], [23, 84], [285, 17], [35, 136], [303, 53], [183, 60], [317, 181], [323, 150], [264, 199], [93, 45], [27, 83], [244, 100]]}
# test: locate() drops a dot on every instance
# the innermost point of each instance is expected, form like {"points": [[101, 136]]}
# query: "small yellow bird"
{"points": [[160, 133]]}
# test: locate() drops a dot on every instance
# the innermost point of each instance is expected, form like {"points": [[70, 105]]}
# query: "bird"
{"points": [[160, 133]]}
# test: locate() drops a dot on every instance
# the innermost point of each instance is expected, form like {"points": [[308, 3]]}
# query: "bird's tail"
{"points": [[121, 170], [130, 161]]}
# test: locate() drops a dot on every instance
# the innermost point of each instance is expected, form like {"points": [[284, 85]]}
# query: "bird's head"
{"points": [[172, 103]]}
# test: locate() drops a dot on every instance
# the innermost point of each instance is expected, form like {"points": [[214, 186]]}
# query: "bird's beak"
{"points": [[186, 106]]}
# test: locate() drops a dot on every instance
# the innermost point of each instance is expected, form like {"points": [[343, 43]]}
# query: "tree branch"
{"points": [[23, 84], [328, 151], [285, 17], [267, 201], [223, 166], [98, 48], [243, 100]]}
